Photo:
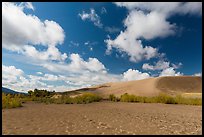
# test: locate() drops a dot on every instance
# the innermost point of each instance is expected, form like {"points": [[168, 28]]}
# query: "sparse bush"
{"points": [[10, 102], [42, 96], [40, 93], [113, 98], [87, 98], [170, 100], [68, 100], [124, 97], [81, 99], [188, 101], [161, 98]]}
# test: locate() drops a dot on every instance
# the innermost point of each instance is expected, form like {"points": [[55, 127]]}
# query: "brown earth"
{"points": [[152, 87], [102, 118]]}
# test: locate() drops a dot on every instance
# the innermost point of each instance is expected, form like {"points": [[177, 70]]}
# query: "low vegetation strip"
{"points": [[43, 96], [192, 95], [9, 101], [81, 99], [162, 98]]}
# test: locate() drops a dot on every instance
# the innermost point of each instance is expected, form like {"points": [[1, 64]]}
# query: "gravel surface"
{"points": [[102, 118]]}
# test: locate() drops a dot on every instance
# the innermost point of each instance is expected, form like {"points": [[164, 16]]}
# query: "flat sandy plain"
{"points": [[102, 118]]}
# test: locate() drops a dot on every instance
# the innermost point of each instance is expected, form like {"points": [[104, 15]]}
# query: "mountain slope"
{"points": [[6, 90]]}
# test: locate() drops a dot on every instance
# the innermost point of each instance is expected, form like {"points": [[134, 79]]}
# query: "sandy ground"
{"points": [[102, 118]]}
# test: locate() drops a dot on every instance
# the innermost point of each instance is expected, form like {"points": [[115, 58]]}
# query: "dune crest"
{"points": [[152, 86]]}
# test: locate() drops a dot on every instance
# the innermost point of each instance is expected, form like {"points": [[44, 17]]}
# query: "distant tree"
{"points": [[35, 90], [40, 93], [30, 93]]}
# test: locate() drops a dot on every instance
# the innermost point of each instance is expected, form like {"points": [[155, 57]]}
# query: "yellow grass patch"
{"points": [[192, 95]]}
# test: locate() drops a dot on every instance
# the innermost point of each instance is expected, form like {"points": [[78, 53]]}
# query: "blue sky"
{"points": [[68, 45]]}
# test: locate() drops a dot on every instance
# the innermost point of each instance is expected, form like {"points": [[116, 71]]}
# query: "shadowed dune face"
{"points": [[153, 86], [184, 84]]}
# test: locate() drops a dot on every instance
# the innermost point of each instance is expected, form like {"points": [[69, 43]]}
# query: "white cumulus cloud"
{"points": [[137, 26], [160, 65], [14, 78], [22, 33], [198, 74], [92, 16], [27, 5], [170, 72], [168, 8], [132, 74], [142, 18]]}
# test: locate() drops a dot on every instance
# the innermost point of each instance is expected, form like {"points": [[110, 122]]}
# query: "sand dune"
{"points": [[153, 86]]}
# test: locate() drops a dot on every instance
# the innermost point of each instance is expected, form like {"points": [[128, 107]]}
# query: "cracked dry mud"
{"points": [[111, 118]]}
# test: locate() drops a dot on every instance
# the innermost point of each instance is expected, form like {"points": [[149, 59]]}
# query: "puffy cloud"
{"points": [[93, 64], [16, 79], [198, 74], [190, 8], [133, 48], [69, 80], [52, 53], [27, 5], [170, 72], [169, 8], [139, 23], [20, 31], [45, 77], [177, 66], [76, 65], [11, 70], [92, 16], [137, 26], [150, 6], [166, 68], [142, 18], [160, 65], [146, 66], [132, 74]]}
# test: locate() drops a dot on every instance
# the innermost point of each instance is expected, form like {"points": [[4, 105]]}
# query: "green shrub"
{"points": [[10, 101], [113, 98], [87, 98], [132, 98], [188, 101], [124, 97], [65, 99], [161, 98], [68, 100]]}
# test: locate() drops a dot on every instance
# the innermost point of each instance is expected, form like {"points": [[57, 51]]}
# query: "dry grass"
{"points": [[192, 95], [66, 99], [161, 98], [9, 101]]}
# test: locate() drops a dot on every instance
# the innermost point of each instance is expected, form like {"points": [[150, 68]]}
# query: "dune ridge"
{"points": [[152, 86]]}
